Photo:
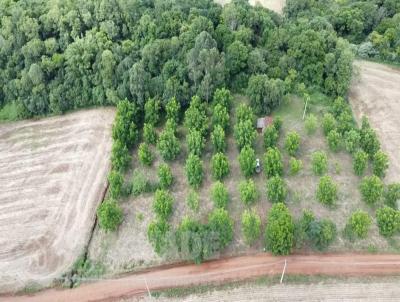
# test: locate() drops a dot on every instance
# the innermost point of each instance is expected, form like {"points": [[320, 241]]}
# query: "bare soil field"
{"points": [[375, 93], [275, 5], [52, 178]]}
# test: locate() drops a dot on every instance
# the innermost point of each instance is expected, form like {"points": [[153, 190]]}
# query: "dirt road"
{"points": [[376, 94], [237, 268]]}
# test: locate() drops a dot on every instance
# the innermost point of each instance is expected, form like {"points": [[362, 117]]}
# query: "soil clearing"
{"points": [[274, 5], [375, 93], [218, 271], [53, 175]]}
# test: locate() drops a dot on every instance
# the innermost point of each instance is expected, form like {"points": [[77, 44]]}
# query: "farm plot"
{"points": [[275, 5], [375, 93], [52, 178]]}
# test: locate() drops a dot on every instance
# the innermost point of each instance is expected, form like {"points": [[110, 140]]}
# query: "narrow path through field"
{"points": [[218, 271]]}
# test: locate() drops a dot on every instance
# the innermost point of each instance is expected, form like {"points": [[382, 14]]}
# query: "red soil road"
{"points": [[219, 271]]}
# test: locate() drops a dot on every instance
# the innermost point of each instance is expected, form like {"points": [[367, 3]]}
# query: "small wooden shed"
{"points": [[264, 122]]}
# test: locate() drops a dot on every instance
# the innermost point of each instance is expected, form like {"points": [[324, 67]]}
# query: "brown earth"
{"points": [[224, 270], [376, 93], [275, 5], [52, 178]]}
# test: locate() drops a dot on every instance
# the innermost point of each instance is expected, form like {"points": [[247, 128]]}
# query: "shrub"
{"points": [[194, 170], [292, 143], [139, 183], [219, 195], [144, 154], [248, 192], [245, 133], [171, 125], [157, 234], [218, 139], [110, 215], [244, 113], [116, 181], [162, 204], [352, 140], [360, 162], [311, 124], [172, 108], [168, 145], [276, 189], [149, 134], [195, 142], [223, 96], [152, 111], [278, 123], [392, 195], [165, 176], [124, 128], [388, 221], [371, 189], [120, 157], [328, 123], [322, 233], [220, 116], [220, 223], [196, 117], [193, 201], [247, 161], [359, 223], [273, 165], [219, 166], [319, 162], [380, 164], [327, 191], [334, 140], [270, 137], [279, 232], [369, 140], [295, 165], [251, 226]]}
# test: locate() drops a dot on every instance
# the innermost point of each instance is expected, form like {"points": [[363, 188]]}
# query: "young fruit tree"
{"points": [[194, 170], [251, 226], [219, 195], [248, 192], [273, 165], [110, 215], [276, 189], [165, 176], [219, 166], [327, 191], [371, 189], [247, 161]]}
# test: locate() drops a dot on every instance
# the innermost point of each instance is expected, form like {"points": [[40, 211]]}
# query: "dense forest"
{"points": [[62, 55]]}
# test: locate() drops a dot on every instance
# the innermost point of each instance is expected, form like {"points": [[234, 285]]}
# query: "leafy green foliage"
{"points": [[327, 191], [218, 139], [172, 108], [270, 137], [392, 195], [244, 113], [168, 145], [334, 139], [380, 164], [273, 165], [244, 133], [247, 161], [223, 97], [328, 123], [196, 117], [322, 233], [278, 123], [360, 223], [276, 189], [360, 162], [219, 195], [369, 140], [194, 170], [165, 176], [149, 134], [219, 166], [139, 183], [295, 165], [152, 111], [311, 124], [388, 221], [319, 162], [157, 235], [124, 128], [279, 232], [248, 192], [193, 201], [221, 224], [144, 154], [195, 142], [371, 189], [292, 143], [110, 215], [120, 157], [116, 181], [251, 226], [220, 116], [352, 140], [162, 204]]}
